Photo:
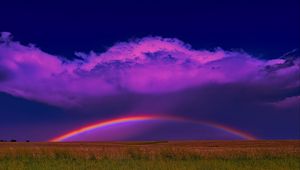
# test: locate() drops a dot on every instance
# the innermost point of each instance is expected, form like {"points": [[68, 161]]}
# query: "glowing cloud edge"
{"points": [[114, 121]]}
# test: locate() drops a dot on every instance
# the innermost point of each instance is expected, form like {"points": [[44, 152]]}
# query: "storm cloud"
{"points": [[151, 65]]}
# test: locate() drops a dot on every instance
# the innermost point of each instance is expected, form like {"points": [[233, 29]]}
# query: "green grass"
{"points": [[235, 155]]}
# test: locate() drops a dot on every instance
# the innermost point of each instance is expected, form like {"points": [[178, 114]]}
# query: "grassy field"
{"points": [[181, 155]]}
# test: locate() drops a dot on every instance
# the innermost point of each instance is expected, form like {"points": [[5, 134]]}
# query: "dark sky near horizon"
{"points": [[264, 29]]}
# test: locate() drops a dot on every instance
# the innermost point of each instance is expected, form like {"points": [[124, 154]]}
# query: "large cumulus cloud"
{"points": [[151, 65]]}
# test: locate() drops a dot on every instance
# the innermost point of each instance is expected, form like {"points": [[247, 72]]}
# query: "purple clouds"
{"points": [[152, 65], [155, 75]]}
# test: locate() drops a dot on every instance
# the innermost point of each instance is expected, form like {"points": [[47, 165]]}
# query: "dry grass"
{"points": [[189, 153]]}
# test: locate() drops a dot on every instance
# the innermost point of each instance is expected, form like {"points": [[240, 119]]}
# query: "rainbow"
{"points": [[129, 119]]}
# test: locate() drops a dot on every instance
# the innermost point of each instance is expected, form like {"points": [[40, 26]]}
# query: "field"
{"points": [[156, 155]]}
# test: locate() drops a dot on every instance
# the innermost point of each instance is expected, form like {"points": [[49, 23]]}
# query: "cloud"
{"points": [[5, 37], [157, 76], [289, 102], [147, 66]]}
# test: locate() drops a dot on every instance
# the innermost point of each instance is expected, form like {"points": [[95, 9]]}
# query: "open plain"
{"points": [[173, 155]]}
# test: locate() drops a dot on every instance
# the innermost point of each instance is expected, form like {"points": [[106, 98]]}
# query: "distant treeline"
{"points": [[12, 140]]}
